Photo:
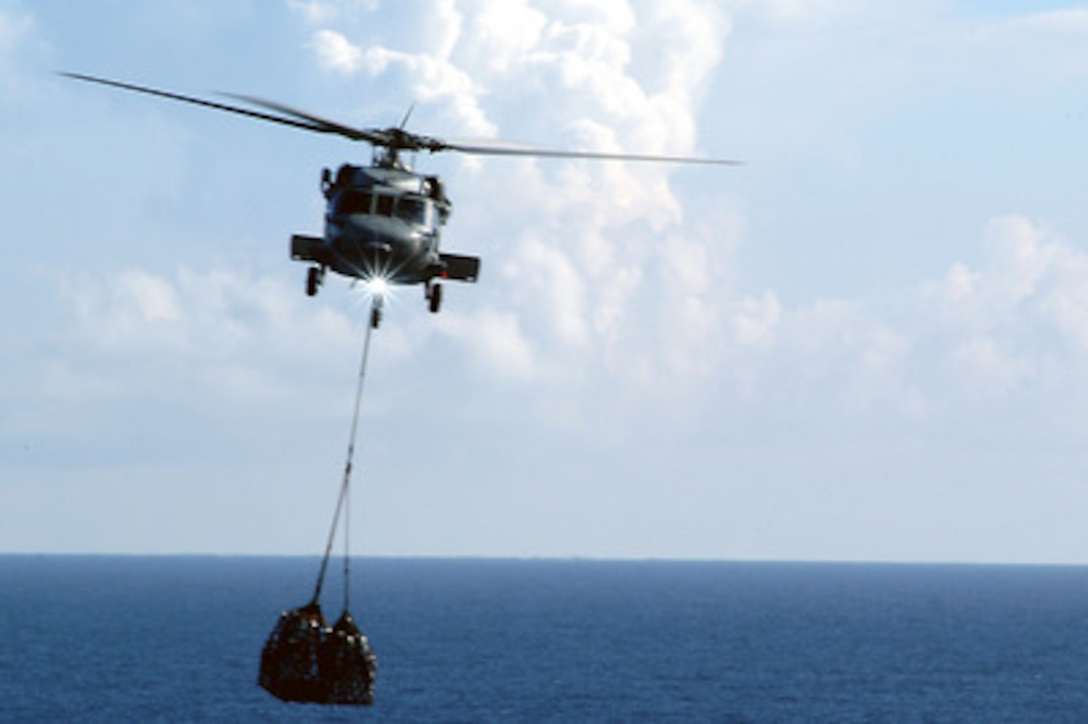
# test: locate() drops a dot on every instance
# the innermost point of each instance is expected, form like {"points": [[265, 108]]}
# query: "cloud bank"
{"points": [[869, 342]]}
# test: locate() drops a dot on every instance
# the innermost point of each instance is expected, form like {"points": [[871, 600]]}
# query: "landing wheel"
{"points": [[313, 280], [375, 316], [434, 296]]}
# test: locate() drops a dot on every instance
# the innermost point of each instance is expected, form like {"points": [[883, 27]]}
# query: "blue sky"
{"points": [[868, 343]]}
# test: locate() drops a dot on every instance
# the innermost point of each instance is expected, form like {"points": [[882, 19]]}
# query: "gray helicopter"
{"points": [[383, 222]]}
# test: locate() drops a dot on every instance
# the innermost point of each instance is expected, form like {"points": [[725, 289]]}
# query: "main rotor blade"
{"points": [[394, 138], [309, 124], [355, 134], [499, 149]]}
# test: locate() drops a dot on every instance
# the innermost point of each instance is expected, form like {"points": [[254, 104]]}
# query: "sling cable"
{"points": [[305, 659]]}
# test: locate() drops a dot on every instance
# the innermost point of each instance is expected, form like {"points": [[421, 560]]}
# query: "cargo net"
{"points": [[306, 660]]}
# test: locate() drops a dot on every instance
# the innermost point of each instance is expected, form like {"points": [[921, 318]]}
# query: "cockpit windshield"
{"points": [[412, 209], [385, 205], [353, 202]]}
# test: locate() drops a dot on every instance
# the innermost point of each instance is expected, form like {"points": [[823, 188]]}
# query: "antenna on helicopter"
{"points": [[407, 115]]}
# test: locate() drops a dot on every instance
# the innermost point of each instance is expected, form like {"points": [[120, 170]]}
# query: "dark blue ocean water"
{"points": [[178, 639]]}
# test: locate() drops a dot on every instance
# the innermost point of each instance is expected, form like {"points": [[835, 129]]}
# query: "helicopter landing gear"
{"points": [[433, 293], [314, 277]]}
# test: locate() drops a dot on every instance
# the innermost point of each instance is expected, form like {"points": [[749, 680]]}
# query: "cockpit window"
{"points": [[384, 206], [412, 209], [353, 202]]}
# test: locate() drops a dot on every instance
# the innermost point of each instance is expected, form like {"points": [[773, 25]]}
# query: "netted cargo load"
{"points": [[306, 660], [348, 664], [289, 660]]}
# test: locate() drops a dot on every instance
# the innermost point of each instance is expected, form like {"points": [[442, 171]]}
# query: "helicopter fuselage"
{"points": [[383, 223]]}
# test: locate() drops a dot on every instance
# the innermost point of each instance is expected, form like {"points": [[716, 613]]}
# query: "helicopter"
{"points": [[383, 221]]}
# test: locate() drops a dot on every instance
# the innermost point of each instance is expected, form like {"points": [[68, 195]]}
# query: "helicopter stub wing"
{"points": [[310, 248], [460, 267]]}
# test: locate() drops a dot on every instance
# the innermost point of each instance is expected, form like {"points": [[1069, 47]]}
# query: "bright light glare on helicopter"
{"points": [[376, 289], [377, 286]]}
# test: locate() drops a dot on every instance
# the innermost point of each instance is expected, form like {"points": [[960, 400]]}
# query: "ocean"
{"points": [[178, 638]]}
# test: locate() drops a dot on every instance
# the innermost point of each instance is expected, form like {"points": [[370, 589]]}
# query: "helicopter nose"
{"points": [[368, 245], [365, 240], [371, 254]]}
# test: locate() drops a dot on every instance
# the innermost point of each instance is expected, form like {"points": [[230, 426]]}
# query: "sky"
{"points": [[867, 343]]}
